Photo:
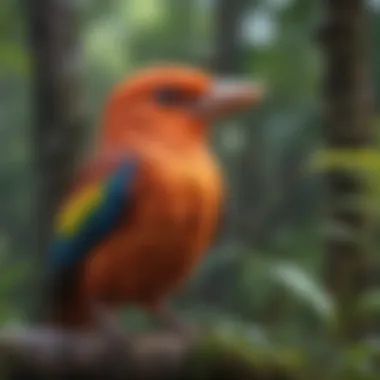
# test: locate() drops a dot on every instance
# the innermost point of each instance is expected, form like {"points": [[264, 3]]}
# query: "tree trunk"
{"points": [[229, 60], [348, 126], [58, 114], [229, 56]]}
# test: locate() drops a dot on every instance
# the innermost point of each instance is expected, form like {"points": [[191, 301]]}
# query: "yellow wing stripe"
{"points": [[71, 217]]}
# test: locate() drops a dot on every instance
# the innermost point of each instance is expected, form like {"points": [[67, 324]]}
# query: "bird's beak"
{"points": [[226, 97]]}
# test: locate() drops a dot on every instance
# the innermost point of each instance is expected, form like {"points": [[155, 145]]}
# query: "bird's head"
{"points": [[171, 104]]}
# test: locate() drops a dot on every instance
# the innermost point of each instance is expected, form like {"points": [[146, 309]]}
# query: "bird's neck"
{"points": [[138, 144]]}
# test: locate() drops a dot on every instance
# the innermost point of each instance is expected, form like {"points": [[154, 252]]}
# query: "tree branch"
{"points": [[41, 354]]}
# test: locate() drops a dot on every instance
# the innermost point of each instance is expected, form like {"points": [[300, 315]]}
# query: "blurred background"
{"points": [[269, 274]]}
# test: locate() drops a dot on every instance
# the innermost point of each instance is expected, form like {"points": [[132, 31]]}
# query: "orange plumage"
{"points": [[137, 246]]}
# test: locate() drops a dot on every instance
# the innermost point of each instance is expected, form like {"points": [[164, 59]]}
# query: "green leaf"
{"points": [[13, 275], [369, 303], [358, 361], [304, 287], [14, 57]]}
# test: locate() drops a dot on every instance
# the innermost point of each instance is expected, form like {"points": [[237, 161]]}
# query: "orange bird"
{"points": [[144, 209]]}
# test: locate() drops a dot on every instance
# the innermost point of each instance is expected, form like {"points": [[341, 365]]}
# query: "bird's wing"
{"points": [[92, 210]]}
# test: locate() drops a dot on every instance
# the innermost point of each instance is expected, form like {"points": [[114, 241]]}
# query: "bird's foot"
{"points": [[117, 339], [108, 324]]}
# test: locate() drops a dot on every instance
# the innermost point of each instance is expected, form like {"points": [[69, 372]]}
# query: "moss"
{"points": [[217, 356]]}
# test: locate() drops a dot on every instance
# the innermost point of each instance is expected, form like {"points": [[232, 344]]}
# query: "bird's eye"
{"points": [[168, 96]]}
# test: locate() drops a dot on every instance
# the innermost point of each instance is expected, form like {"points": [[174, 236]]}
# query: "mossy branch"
{"points": [[42, 354]]}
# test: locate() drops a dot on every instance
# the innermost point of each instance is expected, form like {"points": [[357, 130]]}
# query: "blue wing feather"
{"points": [[65, 252]]}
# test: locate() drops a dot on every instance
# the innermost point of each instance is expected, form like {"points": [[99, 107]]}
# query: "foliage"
{"points": [[270, 294]]}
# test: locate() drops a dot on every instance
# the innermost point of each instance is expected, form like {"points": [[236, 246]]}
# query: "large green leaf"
{"points": [[302, 285]]}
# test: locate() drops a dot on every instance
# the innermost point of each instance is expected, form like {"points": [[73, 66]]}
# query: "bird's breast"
{"points": [[173, 223], [182, 205]]}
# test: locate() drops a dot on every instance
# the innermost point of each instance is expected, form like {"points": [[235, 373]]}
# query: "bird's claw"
{"points": [[109, 325]]}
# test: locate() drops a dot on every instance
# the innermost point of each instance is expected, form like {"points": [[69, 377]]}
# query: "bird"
{"points": [[144, 207]]}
